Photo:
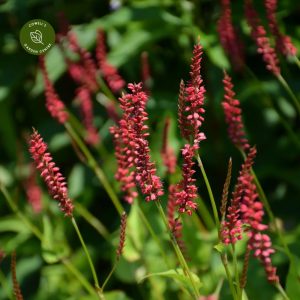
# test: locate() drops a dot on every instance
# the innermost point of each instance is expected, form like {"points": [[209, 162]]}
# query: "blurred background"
{"points": [[167, 31]]}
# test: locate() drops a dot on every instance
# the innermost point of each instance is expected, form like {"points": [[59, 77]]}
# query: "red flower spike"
{"points": [[228, 36], [231, 228], [54, 105], [233, 115], [133, 132], [87, 62], [187, 191], [124, 155], [167, 153], [109, 72], [194, 100], [86, 106], [283, 42], [122, 235], [54, 180], [259, 35]]}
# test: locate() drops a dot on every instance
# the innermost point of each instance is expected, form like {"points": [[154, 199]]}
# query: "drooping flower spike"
{"points": [[284, 43], [54, 180], [54, 104], [259, 35], [229, 37], [233, 115]]}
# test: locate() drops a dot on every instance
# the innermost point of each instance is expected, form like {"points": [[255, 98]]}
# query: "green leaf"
{"points": [[293, 279], [219, 247], [14, 224], [76, 181], [178, 275]]}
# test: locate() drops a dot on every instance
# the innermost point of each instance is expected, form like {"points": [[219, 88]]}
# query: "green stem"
{"points": [[15, 209], [98, 171], [154, 236], [228, 274], [79, 276], [205, 214], [105, 89], [236, 271], [290, 92], [282, 291], [210, 193], [109, 276], [297, 62], [98, 289], [178, 252], [93, 221]]}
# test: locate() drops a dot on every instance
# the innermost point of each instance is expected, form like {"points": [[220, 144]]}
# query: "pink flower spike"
{"points": [[109, 72], [233, 115], [283, 42], [86, 105], [259, 35], [228, 36], [54, 180], [54, 105]]}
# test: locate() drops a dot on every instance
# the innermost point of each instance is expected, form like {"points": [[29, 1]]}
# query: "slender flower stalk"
{"points": [[228, 36], [108, 71], [167, 153], [259, 35], [122, 235], [233, 116], [54, 104], [284, 43], [17, 289], [54, 180], [86, 105]]}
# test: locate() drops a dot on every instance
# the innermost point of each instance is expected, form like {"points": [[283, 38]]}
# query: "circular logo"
{"points": [[37, 36]]}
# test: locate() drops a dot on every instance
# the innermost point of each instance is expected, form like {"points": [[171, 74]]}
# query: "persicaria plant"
{"points": [[150, 219]]}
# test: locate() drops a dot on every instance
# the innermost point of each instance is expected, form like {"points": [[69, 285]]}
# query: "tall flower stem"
{"points": [[297, 61], [282, 291], [236, 272], [93, 221], [290, 92], [210, 193], [228, 274], [205, 214], [98, 289], [178, 252], [39, 236], [96, 168], [109, 276]]}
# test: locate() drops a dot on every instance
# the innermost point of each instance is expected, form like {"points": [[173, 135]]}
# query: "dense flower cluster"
{"points": [[187, 192], [233, 115], [228, 36], [54, 105], [54, 180], [262, 246], [132, 139], [86, 106], [167, 153], [191, 101], [109, 72], [259, 35], [283, 42]]}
